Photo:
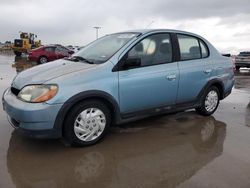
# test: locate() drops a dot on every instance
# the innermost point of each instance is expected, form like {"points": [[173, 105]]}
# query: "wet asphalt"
{"points": [[177, 150]]}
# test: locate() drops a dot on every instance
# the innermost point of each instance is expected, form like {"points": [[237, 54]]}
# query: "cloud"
{"points": [[202, 9], [71, 22]]}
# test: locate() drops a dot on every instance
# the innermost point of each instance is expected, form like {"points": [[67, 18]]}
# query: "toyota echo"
{"points": [[118, 78]]}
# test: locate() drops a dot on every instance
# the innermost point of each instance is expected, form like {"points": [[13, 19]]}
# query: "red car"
{"points": [[48, 53]]}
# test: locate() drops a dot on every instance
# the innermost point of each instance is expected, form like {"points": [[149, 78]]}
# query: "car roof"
{"points": [[145, 31], [49, 46], [53, 45]]}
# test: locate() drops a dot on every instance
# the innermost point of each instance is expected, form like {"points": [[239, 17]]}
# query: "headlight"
{"points": [[38, 93]]}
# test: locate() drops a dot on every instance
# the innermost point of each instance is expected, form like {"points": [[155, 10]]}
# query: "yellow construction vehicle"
{"points": [[25, 43]]}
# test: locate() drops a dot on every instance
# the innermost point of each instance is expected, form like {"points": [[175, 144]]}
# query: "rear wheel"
{"points": [[210, 102], [87, 123], [43, 60]]}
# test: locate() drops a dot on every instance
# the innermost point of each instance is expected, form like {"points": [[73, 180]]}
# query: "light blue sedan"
{"points": [[118, 78]]}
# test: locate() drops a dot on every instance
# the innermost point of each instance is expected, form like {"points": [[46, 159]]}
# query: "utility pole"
{"points": [[97, 29]]}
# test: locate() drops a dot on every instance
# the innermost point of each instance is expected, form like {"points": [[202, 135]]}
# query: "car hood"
{"points": [[48, 71]]}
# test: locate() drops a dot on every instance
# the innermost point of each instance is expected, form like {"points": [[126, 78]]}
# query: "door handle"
{"points": [[171, 77], [207, 71]]}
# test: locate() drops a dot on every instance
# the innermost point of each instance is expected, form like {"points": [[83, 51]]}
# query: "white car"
{"points": [[242, 60]]}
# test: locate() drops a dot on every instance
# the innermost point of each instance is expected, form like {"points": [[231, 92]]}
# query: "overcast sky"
{"points": [[225, 23]]}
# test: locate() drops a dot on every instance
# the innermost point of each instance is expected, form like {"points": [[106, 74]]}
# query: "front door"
{"points": [[153, 82]]}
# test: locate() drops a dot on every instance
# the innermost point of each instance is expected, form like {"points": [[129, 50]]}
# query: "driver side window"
{"points": [[153, 50]]}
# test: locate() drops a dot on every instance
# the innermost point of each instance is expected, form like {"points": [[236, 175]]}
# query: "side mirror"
{"points": [[132, 63]]}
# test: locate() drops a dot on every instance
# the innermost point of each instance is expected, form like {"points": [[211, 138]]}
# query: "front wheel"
{"points": [[43, 60], [210, 102], [87, 123]]}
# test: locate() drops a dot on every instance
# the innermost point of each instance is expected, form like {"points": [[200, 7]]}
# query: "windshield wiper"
{"points": [[80, 58]]}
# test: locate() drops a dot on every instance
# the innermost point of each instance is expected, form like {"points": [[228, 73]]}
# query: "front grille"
{"points": [[18, 43], [15, 91]]}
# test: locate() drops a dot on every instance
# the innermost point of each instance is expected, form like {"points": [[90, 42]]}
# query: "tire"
{"points": [[210, 108], [42, 60], [17, 53], [74, 131]]}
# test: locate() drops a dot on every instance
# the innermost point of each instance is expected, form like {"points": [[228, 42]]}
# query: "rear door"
{"points": [[154, 82], [50, 53], [62, 52], [195, 68]]}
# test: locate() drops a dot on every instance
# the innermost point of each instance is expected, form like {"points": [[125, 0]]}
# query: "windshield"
{"points": [[104, 48]]}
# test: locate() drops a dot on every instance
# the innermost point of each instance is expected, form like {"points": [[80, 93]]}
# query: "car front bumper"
{"points": [[32, 119]]}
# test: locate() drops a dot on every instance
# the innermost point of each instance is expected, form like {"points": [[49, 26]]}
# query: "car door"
{"points": [[195, 68], [61, 52], [149, 77], [50, 53]]}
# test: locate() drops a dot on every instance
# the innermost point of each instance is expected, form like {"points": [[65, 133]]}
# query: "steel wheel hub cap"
{"points": [[89, 124], [211, 101], [43, 60]]}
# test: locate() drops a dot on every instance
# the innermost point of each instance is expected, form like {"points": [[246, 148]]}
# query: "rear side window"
{"points": [[191, 47], [49, 49], [204, 50], [61, 49]]}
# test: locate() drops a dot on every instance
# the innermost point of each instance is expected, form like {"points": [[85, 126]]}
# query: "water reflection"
{"points": [[248, 115], [163, 155], [22, 63], [242, 72], [242, 79]]}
